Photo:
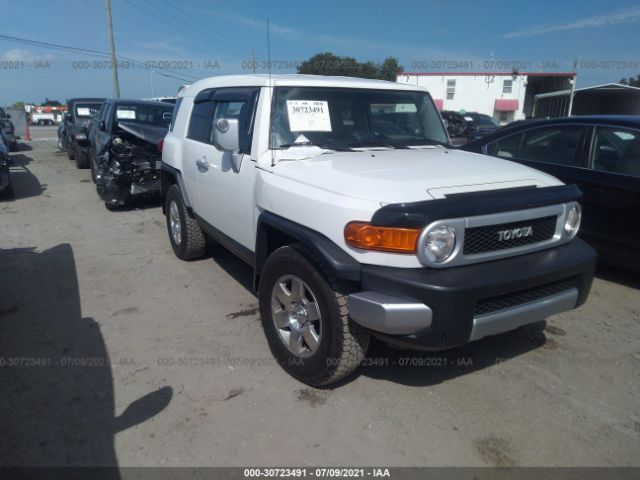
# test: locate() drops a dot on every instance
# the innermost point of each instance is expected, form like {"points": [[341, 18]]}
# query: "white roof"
{"points": [[608, 86], [293, 80]]}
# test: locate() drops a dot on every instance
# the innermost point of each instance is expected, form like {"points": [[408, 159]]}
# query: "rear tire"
{"points": [[336, 345], [187, 239]]}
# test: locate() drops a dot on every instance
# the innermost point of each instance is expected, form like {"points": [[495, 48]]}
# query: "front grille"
{"points": [[487, 239], [509, 300]]}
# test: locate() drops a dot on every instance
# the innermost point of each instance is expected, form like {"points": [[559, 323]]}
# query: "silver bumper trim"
{"points": [[389, 314], [512, 318]]}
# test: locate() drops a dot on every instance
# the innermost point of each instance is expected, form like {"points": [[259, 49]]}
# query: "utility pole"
{"points": [[253, 61], [114, 63], [573, 84]]}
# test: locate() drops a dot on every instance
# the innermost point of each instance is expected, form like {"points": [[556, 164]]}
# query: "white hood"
{"points": [[393, 176]]}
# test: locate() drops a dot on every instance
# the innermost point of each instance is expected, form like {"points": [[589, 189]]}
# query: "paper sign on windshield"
{"points": [[126, 114], [83, 112], [308, 116]]}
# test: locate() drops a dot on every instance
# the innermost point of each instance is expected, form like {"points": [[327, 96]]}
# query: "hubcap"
{"points": [[174, 222], [296, 314]]}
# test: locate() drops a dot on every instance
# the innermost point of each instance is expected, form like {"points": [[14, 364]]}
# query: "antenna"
{"points": [[273, 159], [269, 50]]}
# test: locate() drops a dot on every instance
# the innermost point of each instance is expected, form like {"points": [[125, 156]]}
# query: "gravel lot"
{"points": [[113, 351]]}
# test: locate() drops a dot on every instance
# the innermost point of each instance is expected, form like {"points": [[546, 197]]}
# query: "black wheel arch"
{"points": [[172, 176], [273, 232]]}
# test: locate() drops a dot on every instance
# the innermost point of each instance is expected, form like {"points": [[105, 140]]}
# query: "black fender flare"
{"points": [[339, 262], [164, 185]]}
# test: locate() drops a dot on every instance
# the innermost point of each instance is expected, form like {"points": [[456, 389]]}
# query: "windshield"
{"points": [[86, 110], [351, 118], [158, 114]]}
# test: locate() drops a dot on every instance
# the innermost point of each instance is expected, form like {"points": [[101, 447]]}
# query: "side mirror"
{"points": [[226, 135], [101, 125], [67, 117]]}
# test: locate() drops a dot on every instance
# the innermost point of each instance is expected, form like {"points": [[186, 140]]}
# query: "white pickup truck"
{"points": [[359, 219]]}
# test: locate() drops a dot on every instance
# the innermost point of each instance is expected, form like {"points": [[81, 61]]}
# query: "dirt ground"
{"points": [[114, 352]]}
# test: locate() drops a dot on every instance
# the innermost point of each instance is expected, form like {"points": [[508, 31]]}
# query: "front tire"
{"points": [[82, 161], [92, 166], [305, 318], [186, 237]]}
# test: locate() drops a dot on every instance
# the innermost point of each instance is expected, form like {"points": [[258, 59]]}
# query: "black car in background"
{"points": [[73, 133], [125, 140], [468, 126], [481, 124], [601, 154], [6, 189], [9, 133], [458, 128]]}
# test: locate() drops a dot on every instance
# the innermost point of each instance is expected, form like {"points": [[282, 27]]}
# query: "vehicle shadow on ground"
{"points": [[230, 263], [55, 372], [23, 147], [617, 275], [411, 367], [417, 368], [140, 203], [25, 183]]}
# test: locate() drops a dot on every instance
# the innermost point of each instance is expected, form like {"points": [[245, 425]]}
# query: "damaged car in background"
{"points": [[125, 149], [72, 135]]}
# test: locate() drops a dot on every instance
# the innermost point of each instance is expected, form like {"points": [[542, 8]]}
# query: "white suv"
{"points": [[359, 219]]}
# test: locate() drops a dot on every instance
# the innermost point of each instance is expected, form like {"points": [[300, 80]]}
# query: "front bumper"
{"points": [[436, 309], [117, 190], [4, 179]]}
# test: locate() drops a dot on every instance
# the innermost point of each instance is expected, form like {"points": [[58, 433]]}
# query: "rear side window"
{"points": [[176, 107], [617, 150], [558, 144], [200, 122]]}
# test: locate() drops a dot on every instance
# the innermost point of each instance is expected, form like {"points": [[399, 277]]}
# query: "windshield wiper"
{"points": [[422, 142], [312, 144]]}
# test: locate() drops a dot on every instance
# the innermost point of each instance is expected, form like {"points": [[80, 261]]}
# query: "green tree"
{"points": [[50, 103], [631, 81], [328, 63], [18, 105]]}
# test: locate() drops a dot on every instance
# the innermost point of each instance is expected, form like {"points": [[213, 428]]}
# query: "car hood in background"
{"points": [[148, 133]]}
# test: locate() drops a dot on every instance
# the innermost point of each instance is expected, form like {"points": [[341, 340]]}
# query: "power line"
{"points": [[188, 32], [90, 52], [207, 31]]}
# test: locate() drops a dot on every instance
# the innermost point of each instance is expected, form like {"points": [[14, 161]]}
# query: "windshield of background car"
{"points": [[86, 110], [486, 121], [352, 118], [7, 126], [158, 114]]}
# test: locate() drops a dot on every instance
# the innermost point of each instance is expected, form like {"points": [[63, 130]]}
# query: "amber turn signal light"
{"points": [[366, 236]]}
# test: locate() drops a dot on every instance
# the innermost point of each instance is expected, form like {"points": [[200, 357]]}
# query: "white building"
{"points": [[504, 96]]}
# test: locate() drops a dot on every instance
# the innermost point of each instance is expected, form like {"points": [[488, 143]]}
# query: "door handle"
{"points": [[202, 165]]}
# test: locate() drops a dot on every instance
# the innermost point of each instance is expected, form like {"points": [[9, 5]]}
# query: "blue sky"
{"points": [[199, 38]]}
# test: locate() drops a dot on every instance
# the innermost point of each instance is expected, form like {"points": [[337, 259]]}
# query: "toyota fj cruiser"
{"points": [[358, 219]]}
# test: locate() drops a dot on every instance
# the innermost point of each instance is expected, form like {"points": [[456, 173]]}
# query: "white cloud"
{"points": [[628, 15], [24, 55]]}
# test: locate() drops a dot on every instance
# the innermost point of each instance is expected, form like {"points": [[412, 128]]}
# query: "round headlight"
{"points": [[439, 243], [572, 224]]}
